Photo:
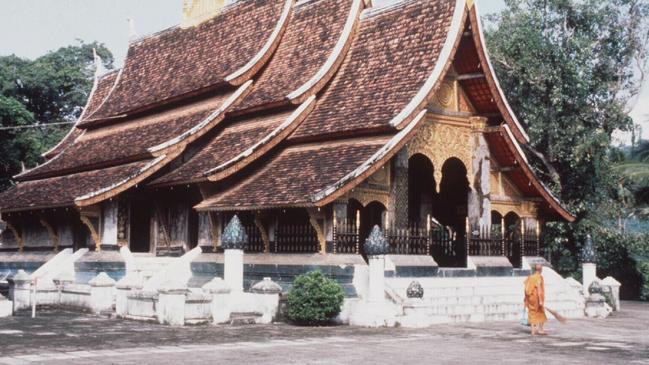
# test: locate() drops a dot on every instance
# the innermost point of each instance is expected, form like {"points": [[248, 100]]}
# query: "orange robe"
{"points": [[534, 296]]}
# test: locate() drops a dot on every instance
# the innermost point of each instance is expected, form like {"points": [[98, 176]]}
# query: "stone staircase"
{"points": [[477, 299], [244, 318], [148, 265]]}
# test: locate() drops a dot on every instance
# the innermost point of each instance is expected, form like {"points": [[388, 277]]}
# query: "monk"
{"points": [[535, 301]]}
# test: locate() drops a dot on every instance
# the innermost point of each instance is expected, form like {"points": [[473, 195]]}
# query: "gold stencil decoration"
{"points": [[198, 11], [445, 95], [441, 141]]}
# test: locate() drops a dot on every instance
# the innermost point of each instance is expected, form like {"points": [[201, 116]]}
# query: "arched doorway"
{"points": [[513, 238], [421, 189], [450, 207], [496, 225]]}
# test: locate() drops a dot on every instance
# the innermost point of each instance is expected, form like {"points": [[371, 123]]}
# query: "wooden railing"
{"points": [[409, 241], [255, 240], [295, 239], [346, 238]]}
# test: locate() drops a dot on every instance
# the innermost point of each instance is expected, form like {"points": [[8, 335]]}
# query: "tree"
{"points": [[634, 173], [51, 89], [571, 70]]}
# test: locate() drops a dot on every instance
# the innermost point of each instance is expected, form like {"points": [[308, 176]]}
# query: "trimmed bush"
{"points": [[314, 299]]}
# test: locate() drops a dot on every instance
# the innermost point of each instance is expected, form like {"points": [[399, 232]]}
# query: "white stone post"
{"points": [[233, 241], [132, 281], [5, 307], [233, 269], [589, 274], [267, 294], [171, 303], [376, 292], [102, 293], [20, 290], [220, 291], [589, 266]]}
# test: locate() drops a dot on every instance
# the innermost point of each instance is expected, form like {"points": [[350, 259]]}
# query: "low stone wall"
{"points": [[142, 305], [76, 296]]}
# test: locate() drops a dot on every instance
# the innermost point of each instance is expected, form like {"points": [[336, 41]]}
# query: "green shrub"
{"points": [[314, 299]]}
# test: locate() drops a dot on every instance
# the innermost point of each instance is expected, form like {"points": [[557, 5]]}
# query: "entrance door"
{"points": [[140, 240]]}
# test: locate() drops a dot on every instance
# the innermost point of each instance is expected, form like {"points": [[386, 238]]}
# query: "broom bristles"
{"points": [[558, 316]]}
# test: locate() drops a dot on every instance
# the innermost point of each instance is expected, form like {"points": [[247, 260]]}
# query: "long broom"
{"points": [[556, 315]]}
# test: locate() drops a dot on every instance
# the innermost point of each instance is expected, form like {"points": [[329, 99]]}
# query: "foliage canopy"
{"points": [[50, 89]]}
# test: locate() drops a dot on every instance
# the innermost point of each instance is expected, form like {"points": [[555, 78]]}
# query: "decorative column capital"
{"points": [[478, 124], [234, 236], [376, 244]]}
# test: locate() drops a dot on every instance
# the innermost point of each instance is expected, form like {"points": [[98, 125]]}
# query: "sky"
{"points": [[31, 28]]}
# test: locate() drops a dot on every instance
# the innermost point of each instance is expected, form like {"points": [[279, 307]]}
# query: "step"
{"points": [[242, 319]]}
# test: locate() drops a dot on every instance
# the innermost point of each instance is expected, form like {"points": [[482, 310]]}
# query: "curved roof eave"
{"points": [[543, 190], [407, 119], [328, 69], [371, 165], [451, 43], [264, 145], [108, 192], [95, 84], [253, 66], [492, 79]]}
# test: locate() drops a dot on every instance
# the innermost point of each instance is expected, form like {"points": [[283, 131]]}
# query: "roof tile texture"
{"points": [[127, 141], [227, 144], [312, 33], [393, 54], [178, 61], [104, 85], [297, 173], [63, 190]]}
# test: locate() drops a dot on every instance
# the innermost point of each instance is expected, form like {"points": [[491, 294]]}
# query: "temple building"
{"points": [[313, 121]]}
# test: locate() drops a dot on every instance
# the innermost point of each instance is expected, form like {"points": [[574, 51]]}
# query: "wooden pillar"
{"points": [[398, 208], [93, 231], [264, 233], [54, 237], [502, 235], [538, 238], [358, 231], [19, 238]]}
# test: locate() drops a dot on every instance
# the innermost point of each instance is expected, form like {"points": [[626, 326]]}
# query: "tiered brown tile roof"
{"points": [[370, 76], [313, 31], [127, 141], [226, 145], [314, 39], [296, 174], [63, 190], [180, 61], [103, 85], [392, 56]]}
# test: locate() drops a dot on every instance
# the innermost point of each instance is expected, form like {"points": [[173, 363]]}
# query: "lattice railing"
{"points": [[346, 238], [255, 240], [295, 239]]}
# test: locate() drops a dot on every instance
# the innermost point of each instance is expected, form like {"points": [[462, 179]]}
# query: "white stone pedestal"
{"points": [[233, 269], [171, 303], [132, 281], [376, 288], [102, 290], [20, 290], [615, 290], [374, 311], [589, 274], [6, 307], [220, 292]]}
